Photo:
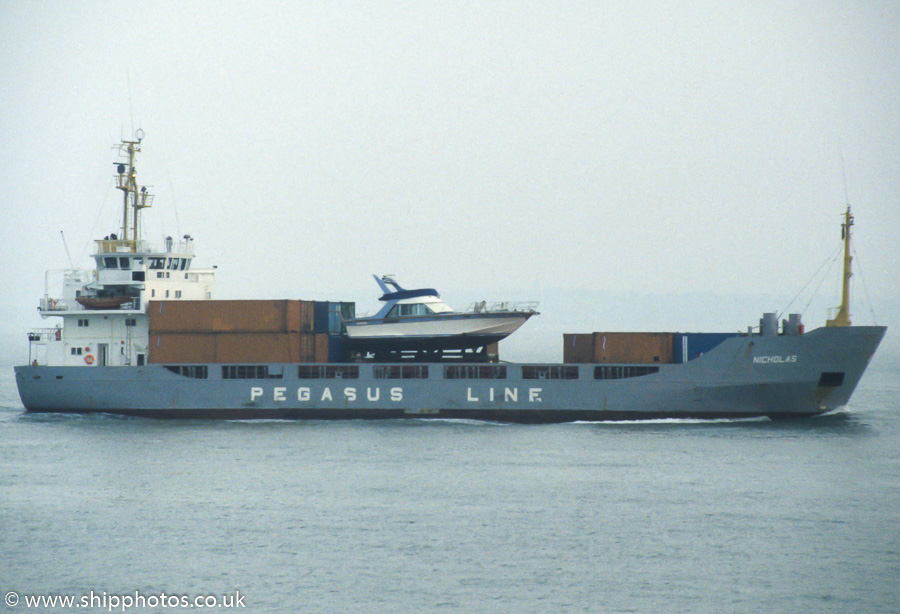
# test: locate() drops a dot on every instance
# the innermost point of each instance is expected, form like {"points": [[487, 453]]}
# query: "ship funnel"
{"points": [[792, 326], [768, 325]]}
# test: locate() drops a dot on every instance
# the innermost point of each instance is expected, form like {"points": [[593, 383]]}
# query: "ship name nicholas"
{"points": [[767, 360]]}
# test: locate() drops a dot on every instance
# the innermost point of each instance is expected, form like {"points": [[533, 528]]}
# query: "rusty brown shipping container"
{"points": [[237, 348], [238, 316], [309, 347], [300, 316], [633, 348], [232, 348], [182, 348], [578, 348]]}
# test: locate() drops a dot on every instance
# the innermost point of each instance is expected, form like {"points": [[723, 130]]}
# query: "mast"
{"points": [[126, 180], [843, 315]]}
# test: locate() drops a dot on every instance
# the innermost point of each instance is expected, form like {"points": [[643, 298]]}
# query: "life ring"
{"points": [[89, 359]]}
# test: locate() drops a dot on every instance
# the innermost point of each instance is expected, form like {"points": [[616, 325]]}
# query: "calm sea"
{"points": [[456, 516]]}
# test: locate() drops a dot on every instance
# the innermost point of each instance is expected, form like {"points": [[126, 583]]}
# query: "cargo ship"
{"points": [[143, 334]]}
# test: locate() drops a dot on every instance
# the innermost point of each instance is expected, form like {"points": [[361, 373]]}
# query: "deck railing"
{"points": [[67, 278], [119, 246], [44, 335], [58, 305], [503, 306]]}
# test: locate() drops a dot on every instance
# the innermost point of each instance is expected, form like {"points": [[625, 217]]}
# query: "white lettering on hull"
{"points": [[508, 394], [777, 360], [306, 394]]}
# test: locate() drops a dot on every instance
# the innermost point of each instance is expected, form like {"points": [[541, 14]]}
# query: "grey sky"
{"points": [[663, 165]]}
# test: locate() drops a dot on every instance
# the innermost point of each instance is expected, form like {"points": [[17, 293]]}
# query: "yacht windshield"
{"points": [[414, 309]]}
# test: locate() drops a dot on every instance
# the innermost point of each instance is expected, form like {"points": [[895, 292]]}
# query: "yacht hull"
{"points": [[457, 331]]}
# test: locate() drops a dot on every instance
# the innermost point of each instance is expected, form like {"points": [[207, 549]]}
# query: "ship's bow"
{"points": [[842, 355]]}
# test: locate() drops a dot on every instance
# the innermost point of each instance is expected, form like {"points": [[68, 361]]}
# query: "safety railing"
{"points": [[119, 246], [70, 280], [45, 335], [503, 306]]}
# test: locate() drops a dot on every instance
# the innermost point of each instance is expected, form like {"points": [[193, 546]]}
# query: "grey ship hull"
{"points": [[746, 376]]}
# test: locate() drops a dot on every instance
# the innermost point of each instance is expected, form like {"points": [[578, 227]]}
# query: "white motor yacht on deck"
{"points": [[418, 321]]}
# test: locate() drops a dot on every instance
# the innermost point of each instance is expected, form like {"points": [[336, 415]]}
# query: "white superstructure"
{"points": [[104, 310]]}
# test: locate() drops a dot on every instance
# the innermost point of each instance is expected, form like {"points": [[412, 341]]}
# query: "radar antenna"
{"points": [[133, 199]]}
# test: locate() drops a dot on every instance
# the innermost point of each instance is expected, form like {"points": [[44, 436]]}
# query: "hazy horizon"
{"points": [[647, 167]]}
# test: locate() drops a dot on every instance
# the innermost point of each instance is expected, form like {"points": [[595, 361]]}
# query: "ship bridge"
{"points": [[103, 309]]}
